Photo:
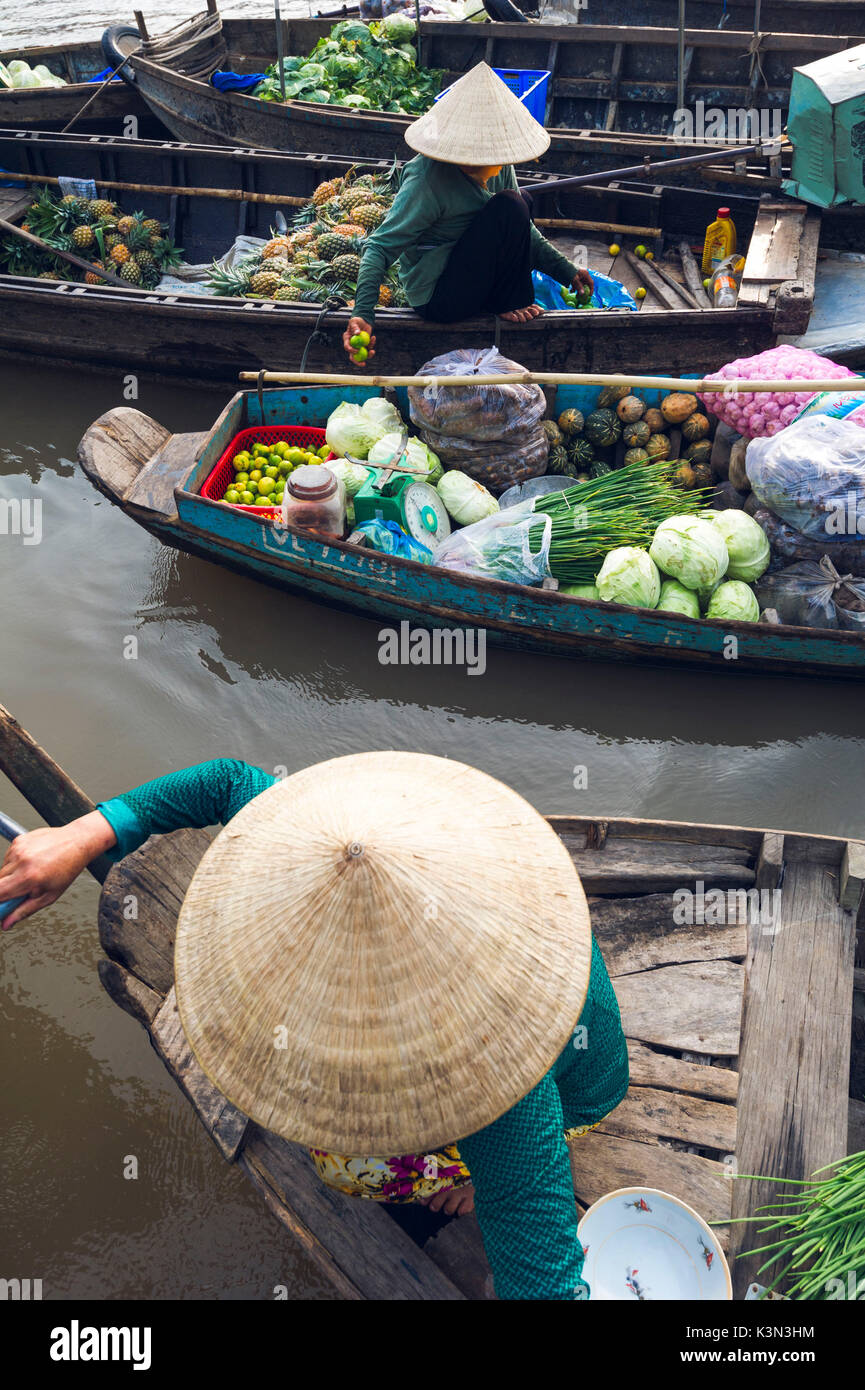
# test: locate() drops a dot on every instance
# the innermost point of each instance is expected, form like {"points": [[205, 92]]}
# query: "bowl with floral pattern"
{"points": [[642, 1244]]}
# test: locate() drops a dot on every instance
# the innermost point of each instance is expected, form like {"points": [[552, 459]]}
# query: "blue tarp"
{"points": [[104, 75], [236, 81], [608, 293]]}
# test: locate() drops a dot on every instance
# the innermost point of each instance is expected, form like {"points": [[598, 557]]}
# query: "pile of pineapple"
{"points": [[130, 245], [321, 254]]}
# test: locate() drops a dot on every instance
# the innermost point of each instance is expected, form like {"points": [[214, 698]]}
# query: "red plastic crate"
{"points": [[301, 436]]}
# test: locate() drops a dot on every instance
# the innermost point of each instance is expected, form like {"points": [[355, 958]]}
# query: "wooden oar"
{"points": [[10, 830], [64, 255], [50, 791], [101, 88], [649, 383]]}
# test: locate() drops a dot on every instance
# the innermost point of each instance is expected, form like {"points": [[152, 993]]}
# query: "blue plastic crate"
{"points": [[529, 84]]}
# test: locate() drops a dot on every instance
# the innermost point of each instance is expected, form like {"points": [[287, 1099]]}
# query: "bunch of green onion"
{"points": [[820, 1232], [624, 507]]}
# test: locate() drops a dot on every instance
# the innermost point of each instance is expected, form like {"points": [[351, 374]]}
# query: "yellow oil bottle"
{"points": [[720, 241]]}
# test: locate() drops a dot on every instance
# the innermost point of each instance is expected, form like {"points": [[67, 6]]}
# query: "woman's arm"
{"points": [[42, 864], [524, 1198]]}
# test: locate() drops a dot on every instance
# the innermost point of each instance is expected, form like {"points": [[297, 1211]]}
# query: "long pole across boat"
{"points": [[649, 383]]}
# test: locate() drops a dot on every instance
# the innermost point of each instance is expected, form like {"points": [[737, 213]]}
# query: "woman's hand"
{"points": [[583, 281], [40, 865], [533, 311], [359, 354]]}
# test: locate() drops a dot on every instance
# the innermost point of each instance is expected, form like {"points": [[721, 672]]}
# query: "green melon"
{"points": [[552, 431], [695, 427], [581, 452], [699, 452], [658, 447], [611, 395], [637, 434], [603, 427], [636, 456], [571, 422], [599, 468]]}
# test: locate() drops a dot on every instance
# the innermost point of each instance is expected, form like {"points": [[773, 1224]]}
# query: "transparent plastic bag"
{"points": [[512, 545], [790, 544], [475, 412], [814, 595], [498, 464], [812, 475]]}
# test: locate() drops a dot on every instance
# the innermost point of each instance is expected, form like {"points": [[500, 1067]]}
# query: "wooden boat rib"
{"points": [[735, 1068], [48, 108], [618, 80], [204, 336], [156, 478]]}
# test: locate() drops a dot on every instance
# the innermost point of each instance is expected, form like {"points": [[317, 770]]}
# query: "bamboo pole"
{"points": [[69, 256], [233, 195], [647, 383], [567, 224]]}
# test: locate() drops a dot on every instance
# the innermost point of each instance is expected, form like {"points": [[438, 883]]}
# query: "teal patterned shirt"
{"points": [[520, 1164]]}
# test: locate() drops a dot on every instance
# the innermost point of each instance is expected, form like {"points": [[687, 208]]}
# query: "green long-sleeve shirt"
{"points": [[434, 206], [519, 1164]]}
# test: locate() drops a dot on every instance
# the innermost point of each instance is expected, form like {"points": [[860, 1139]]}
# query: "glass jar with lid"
{"points": [[314, 499]]}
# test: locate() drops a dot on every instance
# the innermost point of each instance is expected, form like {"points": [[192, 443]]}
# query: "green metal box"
{"points": [[826, 125]]}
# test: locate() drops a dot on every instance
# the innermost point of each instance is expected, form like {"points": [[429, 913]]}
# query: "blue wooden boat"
{"points": [[156, 478]]}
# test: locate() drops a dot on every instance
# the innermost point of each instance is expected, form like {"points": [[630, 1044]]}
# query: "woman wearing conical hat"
{"points": [[458, 226], [386, 957]]}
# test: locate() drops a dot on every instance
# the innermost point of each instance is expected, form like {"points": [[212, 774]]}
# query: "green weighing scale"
{"points": [[395, 494]]}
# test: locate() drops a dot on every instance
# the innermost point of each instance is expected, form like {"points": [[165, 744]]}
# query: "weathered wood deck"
{"points": [[739, 1036]]}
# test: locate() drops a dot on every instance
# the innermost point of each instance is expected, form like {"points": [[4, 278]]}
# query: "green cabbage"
{"points": [[416, 457], [746, 542], [690, 550], [352, 475], [398, 27], [675, 598], [352, 30], [629, 575], [584, 591], [466, 501], [734, 602], [313, 73]]}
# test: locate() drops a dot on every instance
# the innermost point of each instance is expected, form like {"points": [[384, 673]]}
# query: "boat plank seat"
{"points": [[152, 489], [782, 253], [122, 442]]}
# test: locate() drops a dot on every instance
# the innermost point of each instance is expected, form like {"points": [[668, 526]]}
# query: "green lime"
{"points": [[256, 475], [324, 451], [247, 499], [266, 487], [271, 471], [232, 495]]}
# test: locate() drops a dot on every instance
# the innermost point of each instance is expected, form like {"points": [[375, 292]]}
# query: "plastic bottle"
{"points": [[720, 241], [725, 282]]}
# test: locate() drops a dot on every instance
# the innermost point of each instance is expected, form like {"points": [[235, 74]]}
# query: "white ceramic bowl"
{"points": [[644, 1244]]}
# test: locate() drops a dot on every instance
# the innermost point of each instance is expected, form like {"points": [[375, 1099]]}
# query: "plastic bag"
{"points": [[607, 293], [814, 595], [789, 544], [812, 475], [498, 464], [534, 487], [475, 412], [389, 539], [512, 545], [841, 405], [759, 413]]}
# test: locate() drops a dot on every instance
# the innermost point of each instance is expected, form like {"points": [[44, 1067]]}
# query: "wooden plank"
{"points": [[458, 1250], [693, 277], [603, 1162], [130, 993], [852, 880], [118, 445], [793, 1105], [646, 274], [615, 73], [770, 862], [362, 1244], [624, 866], [683, 832], [773, 252], [222, 1120], [659, 1069], [637, 934], [153, 487], [140, 902], [649, 1112], [693, 1008]]}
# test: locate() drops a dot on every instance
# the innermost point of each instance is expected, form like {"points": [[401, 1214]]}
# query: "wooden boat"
{"points": [[774, 16], [51, 108], [735, 1068], [612, 97], [203, 336], [157, 478]]}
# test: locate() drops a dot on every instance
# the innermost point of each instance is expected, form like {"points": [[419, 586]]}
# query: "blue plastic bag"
{"points": [[607, 294], [236, 81], [387, 537]]}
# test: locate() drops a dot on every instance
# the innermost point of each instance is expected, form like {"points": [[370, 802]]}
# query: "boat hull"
{"points": [[117, 107]]}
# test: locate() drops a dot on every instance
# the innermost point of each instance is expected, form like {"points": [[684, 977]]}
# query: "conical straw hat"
{"points": [[382, 954], [480, 122]]}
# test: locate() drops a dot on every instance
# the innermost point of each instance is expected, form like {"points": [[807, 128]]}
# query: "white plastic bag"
{"points": [[512, 545], [812, 475]]}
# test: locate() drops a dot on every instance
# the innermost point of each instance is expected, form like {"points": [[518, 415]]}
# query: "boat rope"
{"points": [[837, 580], [332, 302], [195, 48], [754, 48]]}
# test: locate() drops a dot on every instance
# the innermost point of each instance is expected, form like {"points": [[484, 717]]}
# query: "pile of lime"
{"points": [[260, 472]]}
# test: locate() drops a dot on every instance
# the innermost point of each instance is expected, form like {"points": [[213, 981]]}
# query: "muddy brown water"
{"points": [[227, 666]]}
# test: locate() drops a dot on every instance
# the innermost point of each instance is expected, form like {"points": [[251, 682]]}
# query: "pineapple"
{"points": [[102, 209], [120, 253], [355, 197], [329, 245], [385, 297], [304, 237], [350, 229], [346, 267], [370, 215], [277, 247], [69, 198], [326, 191], [131, 271], [166, 253], [136, 238], [91, 278], [265, 283], [234, 281], [83, 237], [152, 228], [125, 225], [113, 240], [286, 292], [145, 259], [150, 277]]}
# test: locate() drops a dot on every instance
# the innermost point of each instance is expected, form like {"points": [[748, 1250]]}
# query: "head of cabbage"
{"points": [[746, 541], [416, 458], [352, 475], [734, 602], [583, 591], [354, 429], [690, 550], [675, 598], [465, 500], [629, 575]]}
